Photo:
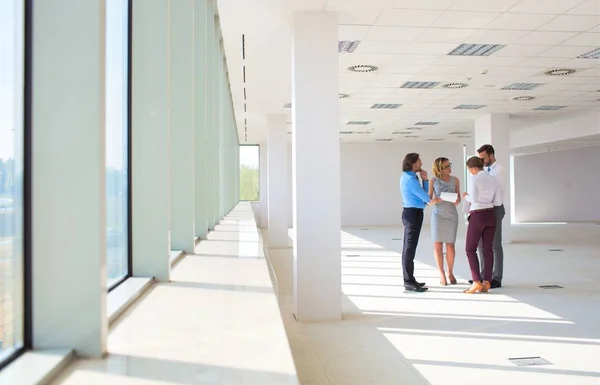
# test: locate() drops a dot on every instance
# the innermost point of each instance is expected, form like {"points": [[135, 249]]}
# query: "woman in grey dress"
{"points": [[444, 217]]}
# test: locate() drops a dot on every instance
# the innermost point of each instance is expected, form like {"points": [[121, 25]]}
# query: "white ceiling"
{"points": [[570, 144], [409, 40]]}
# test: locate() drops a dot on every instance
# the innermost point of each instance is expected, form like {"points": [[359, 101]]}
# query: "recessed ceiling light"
{"points": [[522, 98], [426, 123], [344, 96], [455, 85], [411, 136], [549, 108], [402, 132], [560, 72], [363, 68], [414, 128], [383, 106], [435, 140], [383, 140], [476, 49], [420, 85], [594, 54], [346, 132], [469, 107], [359, 122], [522, 86], [347, 46], [460, 133]]}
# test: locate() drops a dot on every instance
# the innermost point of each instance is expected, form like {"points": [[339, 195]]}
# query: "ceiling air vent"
{"points": [[460, 133], [385, 106], [595, 54], [358, 122], [469, 107], [522, 98], [287, 105], [560, 72], [347, 46], [383, 140], [522, 86], [426, 123], [420, 85], [455, 86], [549, 108], [476, 49], [344, 96], [363, 68]]}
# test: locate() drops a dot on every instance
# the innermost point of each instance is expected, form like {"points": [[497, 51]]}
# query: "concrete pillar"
{"points": [[494, 129], [68, 175], [316, 167], [183, 158], [151, 146], [277, 181]]}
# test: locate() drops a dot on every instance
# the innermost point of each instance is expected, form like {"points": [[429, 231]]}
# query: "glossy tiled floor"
{"points": [[216, 323], [445, 337]]}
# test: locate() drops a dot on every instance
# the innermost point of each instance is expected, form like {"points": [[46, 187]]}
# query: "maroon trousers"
{"points": [[482, 226]]}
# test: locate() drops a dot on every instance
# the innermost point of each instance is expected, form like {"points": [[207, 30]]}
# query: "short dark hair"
{"points": [[487, 148], [409, 161], [475, 162]]}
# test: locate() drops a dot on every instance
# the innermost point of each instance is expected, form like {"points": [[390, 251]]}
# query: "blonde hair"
{"points": [[438, 166]]}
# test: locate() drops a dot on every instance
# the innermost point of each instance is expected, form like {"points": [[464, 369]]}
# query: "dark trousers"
{"points": [[498, 251], [482, 227], [412, 219]]}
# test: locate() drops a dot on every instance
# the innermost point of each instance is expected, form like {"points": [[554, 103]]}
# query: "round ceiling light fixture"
{"points": [[363, 68], [522, 98], [455, 86], [344, 96], [560, 72]]}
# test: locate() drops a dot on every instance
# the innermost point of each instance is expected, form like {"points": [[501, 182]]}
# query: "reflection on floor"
{"points": [[445, 337]]}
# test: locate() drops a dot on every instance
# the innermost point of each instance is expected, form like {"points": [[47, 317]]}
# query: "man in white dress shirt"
{"points": [[488, 154]]}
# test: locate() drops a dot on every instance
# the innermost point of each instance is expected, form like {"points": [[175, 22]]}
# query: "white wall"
{"points": [[558, 186], [370, 175]]}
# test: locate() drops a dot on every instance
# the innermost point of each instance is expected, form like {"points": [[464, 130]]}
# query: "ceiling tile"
{"points": [[555, 7], [483, 5], [565, 51], [407, 17], [595, 29], [519, 21], [542, 62], [416, 59], [429, 48], [382, 47], [457, 19], [443, 35], [403, 69], [546, 38], [522, 50], [393, 33], [571, 23], [584, 39], [440, 5], [380, 60], [590, 7], [356, 16], [496, 37], [581, 63], [479, 61], [443, 70], [352, 32], [519, 71]]}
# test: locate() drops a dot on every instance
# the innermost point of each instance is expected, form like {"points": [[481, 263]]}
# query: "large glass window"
{"points": [[12, 158], [249, 172], [117, 139]]}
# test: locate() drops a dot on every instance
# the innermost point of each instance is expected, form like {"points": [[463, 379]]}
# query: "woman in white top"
{"points": [[483, 194]]}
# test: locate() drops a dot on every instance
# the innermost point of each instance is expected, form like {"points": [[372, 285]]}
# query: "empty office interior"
{"points": [[209, 191]]}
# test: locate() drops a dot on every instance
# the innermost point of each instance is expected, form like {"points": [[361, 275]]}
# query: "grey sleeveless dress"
{"points": [[444, 215]]}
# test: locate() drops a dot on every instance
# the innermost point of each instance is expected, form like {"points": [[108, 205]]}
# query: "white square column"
{"points": [[263, 175], [183, 158], [316, 167], [69, 177], [494, 129], [277, 181], [151, 139]]}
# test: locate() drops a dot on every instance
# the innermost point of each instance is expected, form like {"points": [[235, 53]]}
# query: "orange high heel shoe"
{"points": [[475, 288], [486, 286]]}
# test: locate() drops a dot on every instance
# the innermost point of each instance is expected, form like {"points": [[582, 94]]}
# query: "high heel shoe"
{"points": [[452, 279], [476, 287], [486, 286]]}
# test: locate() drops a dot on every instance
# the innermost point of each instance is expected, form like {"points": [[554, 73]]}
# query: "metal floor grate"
{"points": [[529, 361]]}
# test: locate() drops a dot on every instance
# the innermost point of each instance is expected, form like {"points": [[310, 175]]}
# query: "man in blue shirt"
{"points": [[414, 200]]}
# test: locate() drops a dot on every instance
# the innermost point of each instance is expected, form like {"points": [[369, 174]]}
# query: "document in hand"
{"points": [[449, 197]]}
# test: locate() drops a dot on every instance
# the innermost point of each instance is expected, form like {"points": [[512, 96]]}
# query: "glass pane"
{"points": [[116, 140], [11, 176], [249, 185]]}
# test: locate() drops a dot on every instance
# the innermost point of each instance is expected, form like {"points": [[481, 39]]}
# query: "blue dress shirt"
{"points": [[413, 194]]}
